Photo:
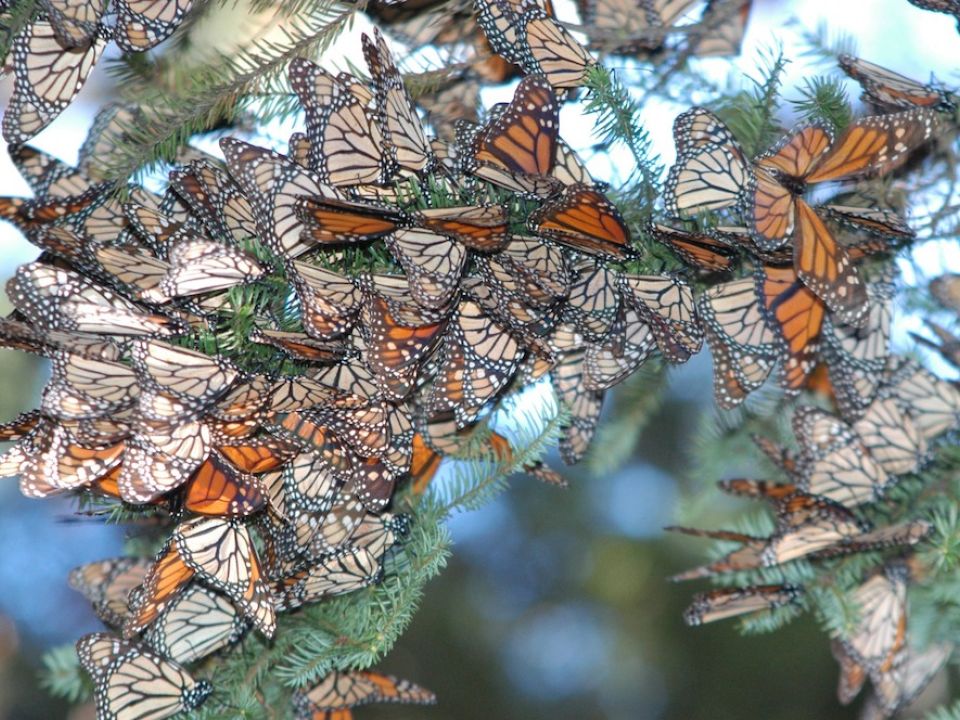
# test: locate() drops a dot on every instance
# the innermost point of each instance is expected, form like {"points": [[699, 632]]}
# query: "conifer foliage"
{"points": [[270, 358]]}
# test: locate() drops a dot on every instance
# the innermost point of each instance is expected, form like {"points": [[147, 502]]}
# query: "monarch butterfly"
{"points": [[132, 682], [888, 89], [950, 7], [164, 581], [725, 603], [47, 77], [302, 347], [329, 301], [668, 306], [932, 403], [364, 429], [891, 437], [161, 457], [219, 201], [143, 25], [702, 251], [946, 290], [54, 299], [274, 184], [196, 624], [881, 631], [433, 263], [460, 100], [482, 228], [107, 585], [397, 349], [499, 294], [872, 145], [604, 367], [328, 221], [352, 378], [913, 671], [341, 690], [183, 374], [53, 462], [379, 533], [805, 526], [480, 358], [527, 34], [585, 220], [593, 304], [258, 454], [394, 290], [74, 23], [337, 574], [345, 143], [402, 128], [743, 346], [517, 149], [837, 464], [902, 534], [82, 387], [216, 488], [200, 266], [724, 23], [20, 427], [797, 314], [628, 28], [885, 223], [567, 378], [540, 264], [312, 478], [221, 553], [711, 172]]}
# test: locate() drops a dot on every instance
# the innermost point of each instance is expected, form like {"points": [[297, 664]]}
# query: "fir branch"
{"points": [[216, 93], [752, 115], [62, 676], [824, 99], [618, 120], [637, 400], [477, 480], [823, 44], [14, 19]]}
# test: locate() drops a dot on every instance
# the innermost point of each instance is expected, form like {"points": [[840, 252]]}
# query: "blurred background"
{"points": [[555, 603]]}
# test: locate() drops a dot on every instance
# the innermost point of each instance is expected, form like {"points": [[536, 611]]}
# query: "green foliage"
{"points": [[636, 401], [198, 99], [14, 18], [617, 120], [824, 99], [752, 114], [62, 675]]}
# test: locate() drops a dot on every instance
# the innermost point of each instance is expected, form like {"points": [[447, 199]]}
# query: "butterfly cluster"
{"points": [[809, 301], [52, 56], [493, 41], [276, 475], [811, 308], [840, 466]]}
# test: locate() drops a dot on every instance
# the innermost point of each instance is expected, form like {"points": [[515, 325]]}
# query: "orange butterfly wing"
{"points": [[585, 220], [524, 138], [798, 315], [875, 145], [217, 489], [825, 267]]}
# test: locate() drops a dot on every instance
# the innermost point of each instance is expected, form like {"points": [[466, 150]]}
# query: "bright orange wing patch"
{"points": [[524, 138], [825, 267], [217, 489], [585, 220], [798, 315]]}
